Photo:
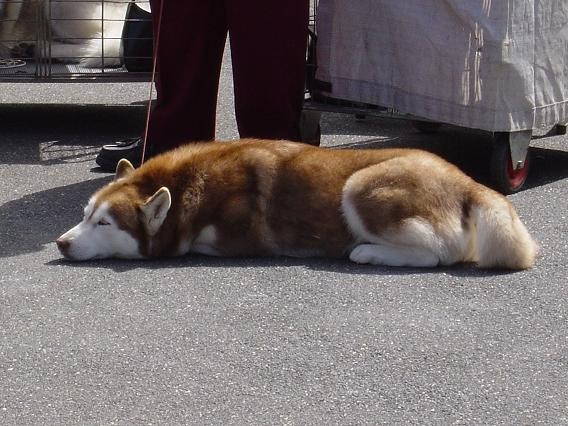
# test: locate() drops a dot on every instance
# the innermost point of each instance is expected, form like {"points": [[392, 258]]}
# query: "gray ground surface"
{"points": [[272, 341]]}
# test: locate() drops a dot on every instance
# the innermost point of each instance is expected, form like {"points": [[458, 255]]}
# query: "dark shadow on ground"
{"points": [[469, 149], [341, 266], [32, 221], [52, 134]]}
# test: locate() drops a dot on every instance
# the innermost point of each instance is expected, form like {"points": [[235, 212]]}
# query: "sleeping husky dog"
{"points": [[397, 207], [76, 27]]}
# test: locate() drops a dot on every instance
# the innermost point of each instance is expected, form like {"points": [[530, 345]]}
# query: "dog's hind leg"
{"points": [[412, 242], [400, 218], [389, 255]]}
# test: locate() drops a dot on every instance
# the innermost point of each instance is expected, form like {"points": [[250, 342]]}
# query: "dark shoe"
{"points": [[131, 149]]}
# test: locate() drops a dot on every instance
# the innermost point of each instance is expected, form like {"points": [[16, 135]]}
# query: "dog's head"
{"points": [[117, 221]]}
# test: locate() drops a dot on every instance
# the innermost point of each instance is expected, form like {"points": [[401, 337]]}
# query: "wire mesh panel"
{"points": [[75, 40]]}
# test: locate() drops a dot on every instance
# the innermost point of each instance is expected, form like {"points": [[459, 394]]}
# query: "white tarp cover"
{"points": [[498, 65]]}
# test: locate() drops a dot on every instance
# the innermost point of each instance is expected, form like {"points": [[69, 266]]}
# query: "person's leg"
{"points": [[190, 52], [192, 40], [268, 48]]}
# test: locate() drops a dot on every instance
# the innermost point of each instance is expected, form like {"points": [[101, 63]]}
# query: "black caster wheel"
{"points": [[506, 179]]}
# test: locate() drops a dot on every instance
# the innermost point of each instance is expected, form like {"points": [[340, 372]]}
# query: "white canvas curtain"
{"points": [[499, 65]]}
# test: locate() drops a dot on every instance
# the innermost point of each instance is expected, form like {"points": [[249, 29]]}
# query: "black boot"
{"points": [[131, 149]]}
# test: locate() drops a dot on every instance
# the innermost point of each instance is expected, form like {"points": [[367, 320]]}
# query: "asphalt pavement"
{"points": [[199, 340]]}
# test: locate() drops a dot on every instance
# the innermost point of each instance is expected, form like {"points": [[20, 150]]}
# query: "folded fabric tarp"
{"points": [[498, 65]]}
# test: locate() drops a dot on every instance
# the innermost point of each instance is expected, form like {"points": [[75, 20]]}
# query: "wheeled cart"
{"points": [[496, 66]]}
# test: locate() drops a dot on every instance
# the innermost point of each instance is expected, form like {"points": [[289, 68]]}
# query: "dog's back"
{"points": [[268, 197]]}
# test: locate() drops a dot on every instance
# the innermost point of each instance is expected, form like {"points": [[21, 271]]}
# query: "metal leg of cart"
{"points": [[561, 129], [310, 130], [510, 160]]}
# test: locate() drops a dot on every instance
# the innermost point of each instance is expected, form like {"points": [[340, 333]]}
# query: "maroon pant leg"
{"points": [[191, 43], [268, 48]]}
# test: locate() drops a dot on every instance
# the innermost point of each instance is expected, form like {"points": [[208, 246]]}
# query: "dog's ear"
{"points": [[123, 169], [155, 210]]}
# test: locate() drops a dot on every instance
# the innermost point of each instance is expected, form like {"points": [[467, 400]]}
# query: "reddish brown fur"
{"points": [[279, 197], [246, 189], [406, 188]]}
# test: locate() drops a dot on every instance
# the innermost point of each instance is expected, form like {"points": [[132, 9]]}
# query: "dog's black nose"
{"points": [[62, 245]]}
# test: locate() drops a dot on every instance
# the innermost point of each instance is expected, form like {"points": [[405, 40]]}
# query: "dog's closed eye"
{"points": [[103, 222]]}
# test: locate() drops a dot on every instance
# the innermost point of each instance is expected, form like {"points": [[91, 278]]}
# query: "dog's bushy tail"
{"points": [[501, 239]]}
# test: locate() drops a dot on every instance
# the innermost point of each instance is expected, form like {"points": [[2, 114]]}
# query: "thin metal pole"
{"points": [[154, 63]]}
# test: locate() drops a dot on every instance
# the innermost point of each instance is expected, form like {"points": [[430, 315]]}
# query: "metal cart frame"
{"points": [[510, 158]]}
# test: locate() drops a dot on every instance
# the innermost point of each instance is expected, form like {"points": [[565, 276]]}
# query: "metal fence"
{"points": [[75, 40]]}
